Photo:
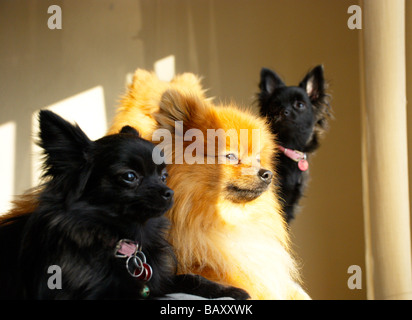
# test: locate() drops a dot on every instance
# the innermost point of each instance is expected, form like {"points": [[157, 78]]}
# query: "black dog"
{"points": [[98, 230], [298, 116]]}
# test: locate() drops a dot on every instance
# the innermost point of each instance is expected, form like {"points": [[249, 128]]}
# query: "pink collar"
{"points": [[125, 248], [136, 260], [297, 156]]}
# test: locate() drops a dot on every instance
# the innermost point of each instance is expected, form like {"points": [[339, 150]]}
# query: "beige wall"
{"points": [[227, 42]]}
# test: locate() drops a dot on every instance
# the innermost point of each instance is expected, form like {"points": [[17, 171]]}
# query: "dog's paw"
{"points": [[235, 293]]}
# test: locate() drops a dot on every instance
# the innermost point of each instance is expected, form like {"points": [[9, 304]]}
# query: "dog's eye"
{"points": [[129, 177], [232, 158], [164, 176], [299, 105]]}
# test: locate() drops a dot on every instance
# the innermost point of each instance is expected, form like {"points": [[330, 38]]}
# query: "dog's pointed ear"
{"points": [[269, 81], [130, 130], [65, 146], [314, 84], [184, 106]]}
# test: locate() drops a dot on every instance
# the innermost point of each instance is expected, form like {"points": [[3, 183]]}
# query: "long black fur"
{"points": [[96, 193], [298, 115]]}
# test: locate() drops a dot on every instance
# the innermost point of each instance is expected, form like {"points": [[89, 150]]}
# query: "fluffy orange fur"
{"points": [[141, 101], [244, 244]]}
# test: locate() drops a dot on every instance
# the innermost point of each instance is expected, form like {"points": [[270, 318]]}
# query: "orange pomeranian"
{"points": [[223, 223]]}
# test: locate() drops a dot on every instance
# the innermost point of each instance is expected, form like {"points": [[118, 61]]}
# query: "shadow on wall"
{"points": [[79, 69]]}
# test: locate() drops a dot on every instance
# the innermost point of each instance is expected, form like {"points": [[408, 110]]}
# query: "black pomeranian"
{"points": [[98, 227], [298, 115]]}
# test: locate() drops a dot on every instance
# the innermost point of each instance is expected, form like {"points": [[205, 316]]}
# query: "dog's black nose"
{"points": [[168, 194], [286, 112], [265, 175]]}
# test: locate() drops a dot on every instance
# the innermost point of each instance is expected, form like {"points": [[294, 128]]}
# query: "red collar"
{"points": [[296, 156]]}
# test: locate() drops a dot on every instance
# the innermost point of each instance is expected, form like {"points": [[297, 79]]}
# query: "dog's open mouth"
{"points": [[237, 194]]}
